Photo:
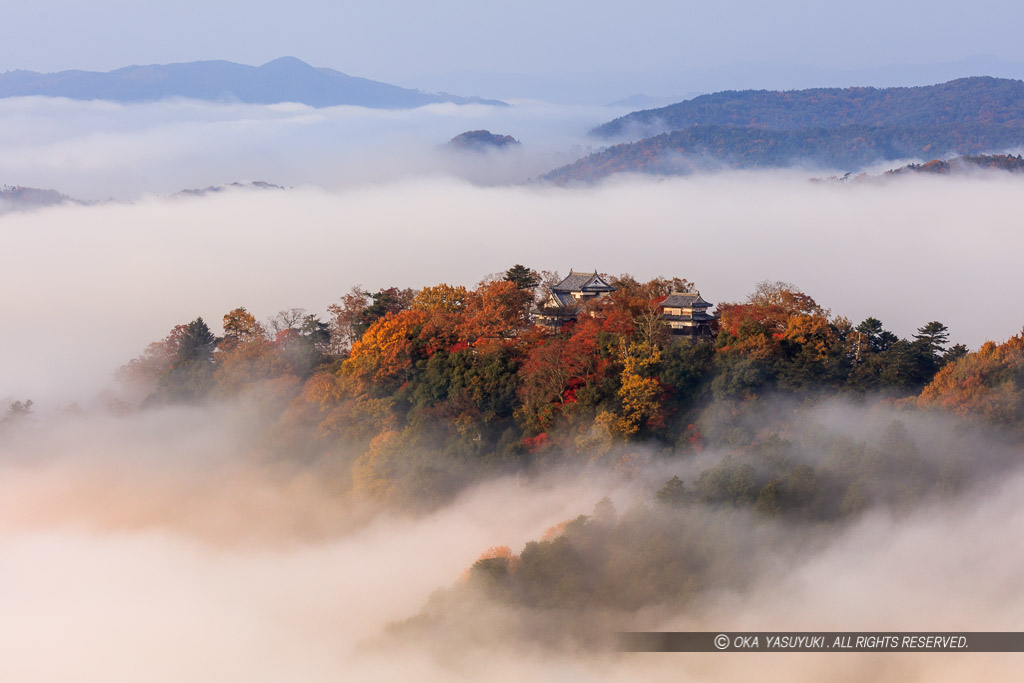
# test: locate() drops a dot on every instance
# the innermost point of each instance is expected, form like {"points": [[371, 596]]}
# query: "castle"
{"points": [[685, 313]]}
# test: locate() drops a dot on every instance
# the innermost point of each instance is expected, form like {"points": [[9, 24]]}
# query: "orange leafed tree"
{"points": [[385, 353], [986, 384]]}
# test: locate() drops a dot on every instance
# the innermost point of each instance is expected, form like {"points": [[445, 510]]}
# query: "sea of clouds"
{"points": [[164, 545]]}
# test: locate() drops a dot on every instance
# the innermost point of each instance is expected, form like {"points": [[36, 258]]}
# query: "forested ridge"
{"points": [[417, 394], [735, 443], [838, 128], [976, 100], [702, 148]]}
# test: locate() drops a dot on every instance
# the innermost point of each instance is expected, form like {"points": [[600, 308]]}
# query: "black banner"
{"points": [[820, 641]]}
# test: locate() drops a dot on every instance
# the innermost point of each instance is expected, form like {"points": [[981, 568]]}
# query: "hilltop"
{"points": [[17, 197], [964, 164], [480, 140], [286, 79]]}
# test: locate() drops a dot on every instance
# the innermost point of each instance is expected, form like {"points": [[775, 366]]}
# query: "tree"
{"points": [[359, 309], [287, 319], [346, 323], [686, 369], [522, 277], [441, 298], [640, 393], [240, 327], [196, 343], [674, 492], [548, 372], [252, 361], [495, 311], [141, 374], [877, 338], [386, 353], [191, 376], [986, 384], [390, 300], [930, 342], [785, 296], [16, 411]]}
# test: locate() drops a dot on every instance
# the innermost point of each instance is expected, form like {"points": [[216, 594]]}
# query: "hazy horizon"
{"points": [[571, 52]]}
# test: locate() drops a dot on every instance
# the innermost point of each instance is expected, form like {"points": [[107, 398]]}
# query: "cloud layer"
{"points": [[165, 545], [89, 287], [98, 150]]}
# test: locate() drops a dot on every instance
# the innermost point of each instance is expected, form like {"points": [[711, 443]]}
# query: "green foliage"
{"points": [[16, 412], [729, 482], [190, 378], [686, 369], [197, 343], [522, 277]]}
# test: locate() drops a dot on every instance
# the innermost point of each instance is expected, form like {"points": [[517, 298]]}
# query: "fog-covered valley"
{"points": [[445, 514]]}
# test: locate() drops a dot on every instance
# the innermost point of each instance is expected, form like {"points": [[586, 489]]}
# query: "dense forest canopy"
{"points": [[423, 392]]}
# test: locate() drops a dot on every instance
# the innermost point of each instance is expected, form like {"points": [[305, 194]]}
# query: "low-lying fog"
{"points": [[98, 150], [166, 545], [163, 546]]}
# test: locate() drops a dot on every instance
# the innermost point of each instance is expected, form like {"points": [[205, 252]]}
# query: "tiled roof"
{"points": [[579, 282], [684, 300], [564, 299]]}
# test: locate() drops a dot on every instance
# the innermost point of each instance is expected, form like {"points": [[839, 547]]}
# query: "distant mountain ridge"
{"points": [[831, 128], [710, 148], [19, 197], [286, 79], [979, 99]]}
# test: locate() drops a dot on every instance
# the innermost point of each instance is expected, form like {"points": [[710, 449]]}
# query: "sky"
{"points": [[569, 49]]}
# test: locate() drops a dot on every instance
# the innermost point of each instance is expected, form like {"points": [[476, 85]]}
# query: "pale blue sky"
{"points": [[654, 45]]}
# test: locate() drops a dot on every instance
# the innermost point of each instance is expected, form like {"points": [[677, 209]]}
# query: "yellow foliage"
{"points": [[597, 440], [638, 394], [375, 473], [248, 362], [986, 383], [442, 297], [811, 331], [323, 389], [385, 350]]}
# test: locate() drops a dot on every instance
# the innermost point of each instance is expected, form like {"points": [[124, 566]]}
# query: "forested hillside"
{"points": [[965, 164], [965, 101], [786, 428], [829, 128], [703, 148], [416, 394]]}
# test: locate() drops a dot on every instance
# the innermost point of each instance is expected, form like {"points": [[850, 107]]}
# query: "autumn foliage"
{"points": [[987, 384], [419, 392]]}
